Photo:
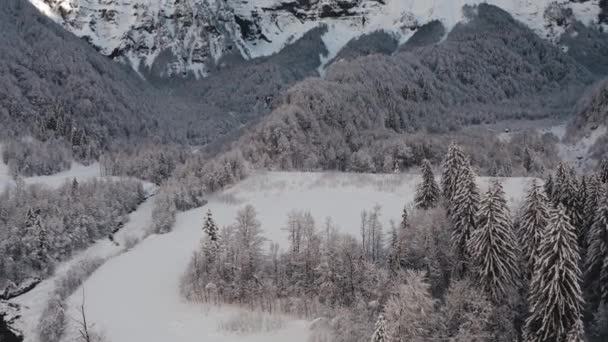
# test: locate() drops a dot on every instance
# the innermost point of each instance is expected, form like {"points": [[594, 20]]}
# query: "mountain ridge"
{"points": [[195, 35]]}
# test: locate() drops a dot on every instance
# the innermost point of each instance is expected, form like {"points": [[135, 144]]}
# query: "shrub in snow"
{"points": [[75, 276], [53, 320], [251, 322]]}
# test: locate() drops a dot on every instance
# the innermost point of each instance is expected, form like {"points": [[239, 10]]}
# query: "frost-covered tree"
{"points": [[555, 297], [427, 192], [249, 240], [548, 187], [211, 230], [455, 161], [463, 215], [592, 203], [409, 310], [394, 252], [532, 225], [603, 170], [599, 326], [466, 314], [163, 214], [597, 255], [493, 246], [380, 334]]}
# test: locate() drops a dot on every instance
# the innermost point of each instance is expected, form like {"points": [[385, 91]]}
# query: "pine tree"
{"points": [[555, 296], [597, 256], [594, 198], [532, 225], [394, 261], [566, 191], [453, 165], [579, 218], [427, 192], [211, 244], [493, 247], [211, 229], [527, 159], [464, 216], [603, 170], [549, 187], [404, 220], [380, 334]]}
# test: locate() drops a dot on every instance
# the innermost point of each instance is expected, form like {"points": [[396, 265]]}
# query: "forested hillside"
{"points": [[56, 87], [488, 69]]}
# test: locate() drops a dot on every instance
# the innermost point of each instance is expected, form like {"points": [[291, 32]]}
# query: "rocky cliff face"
{"points": [[190, 37]]}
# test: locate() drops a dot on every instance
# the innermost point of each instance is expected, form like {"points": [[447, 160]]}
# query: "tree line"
{"points": [[40, 226], [458, 267]]}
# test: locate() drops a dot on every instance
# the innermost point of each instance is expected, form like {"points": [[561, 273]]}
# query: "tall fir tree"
{"points": [[493, 246], [597, 256], [532, 225], [211, 245], [211, 229], [380, 333], [579, 219], [394, 255], [427, 192], [603, 170], [455, 161], [404, 220], [548, 187], [566, 191], [555, 297], [464, 216], [593, 201]]}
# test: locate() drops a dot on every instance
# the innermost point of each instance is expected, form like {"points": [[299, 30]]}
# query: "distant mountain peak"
{"points": [[179, 38]]}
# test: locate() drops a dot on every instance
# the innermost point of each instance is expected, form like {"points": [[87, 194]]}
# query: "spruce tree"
{"points": [[493, 247], [532, 225], [394, 261], [555, 297], [464, 216], [593, 201], [566, 191], [427, 192], [211, 229], [548, 187], [453, 165], [380, 334], [211, 244], [597, 256], [603, 170], [404, 219]]}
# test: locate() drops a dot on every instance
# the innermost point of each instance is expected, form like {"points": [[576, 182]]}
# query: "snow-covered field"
{"points": [[134, 296]]}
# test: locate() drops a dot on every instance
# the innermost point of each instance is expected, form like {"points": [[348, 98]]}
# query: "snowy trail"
{"points": [[32, 303], [135, 296]]}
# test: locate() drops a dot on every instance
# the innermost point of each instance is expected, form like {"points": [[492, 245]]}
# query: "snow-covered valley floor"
{"points": [[134, 297]]}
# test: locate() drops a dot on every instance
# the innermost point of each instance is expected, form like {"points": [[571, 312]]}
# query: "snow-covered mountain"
{"points": [[181, 37]]}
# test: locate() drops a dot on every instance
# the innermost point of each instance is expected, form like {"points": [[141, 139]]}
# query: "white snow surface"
{"points": [[135, 295], [145, 28]]}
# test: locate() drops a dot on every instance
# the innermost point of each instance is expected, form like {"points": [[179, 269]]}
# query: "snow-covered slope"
{"points": [[134, 297], [190, 36]]}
